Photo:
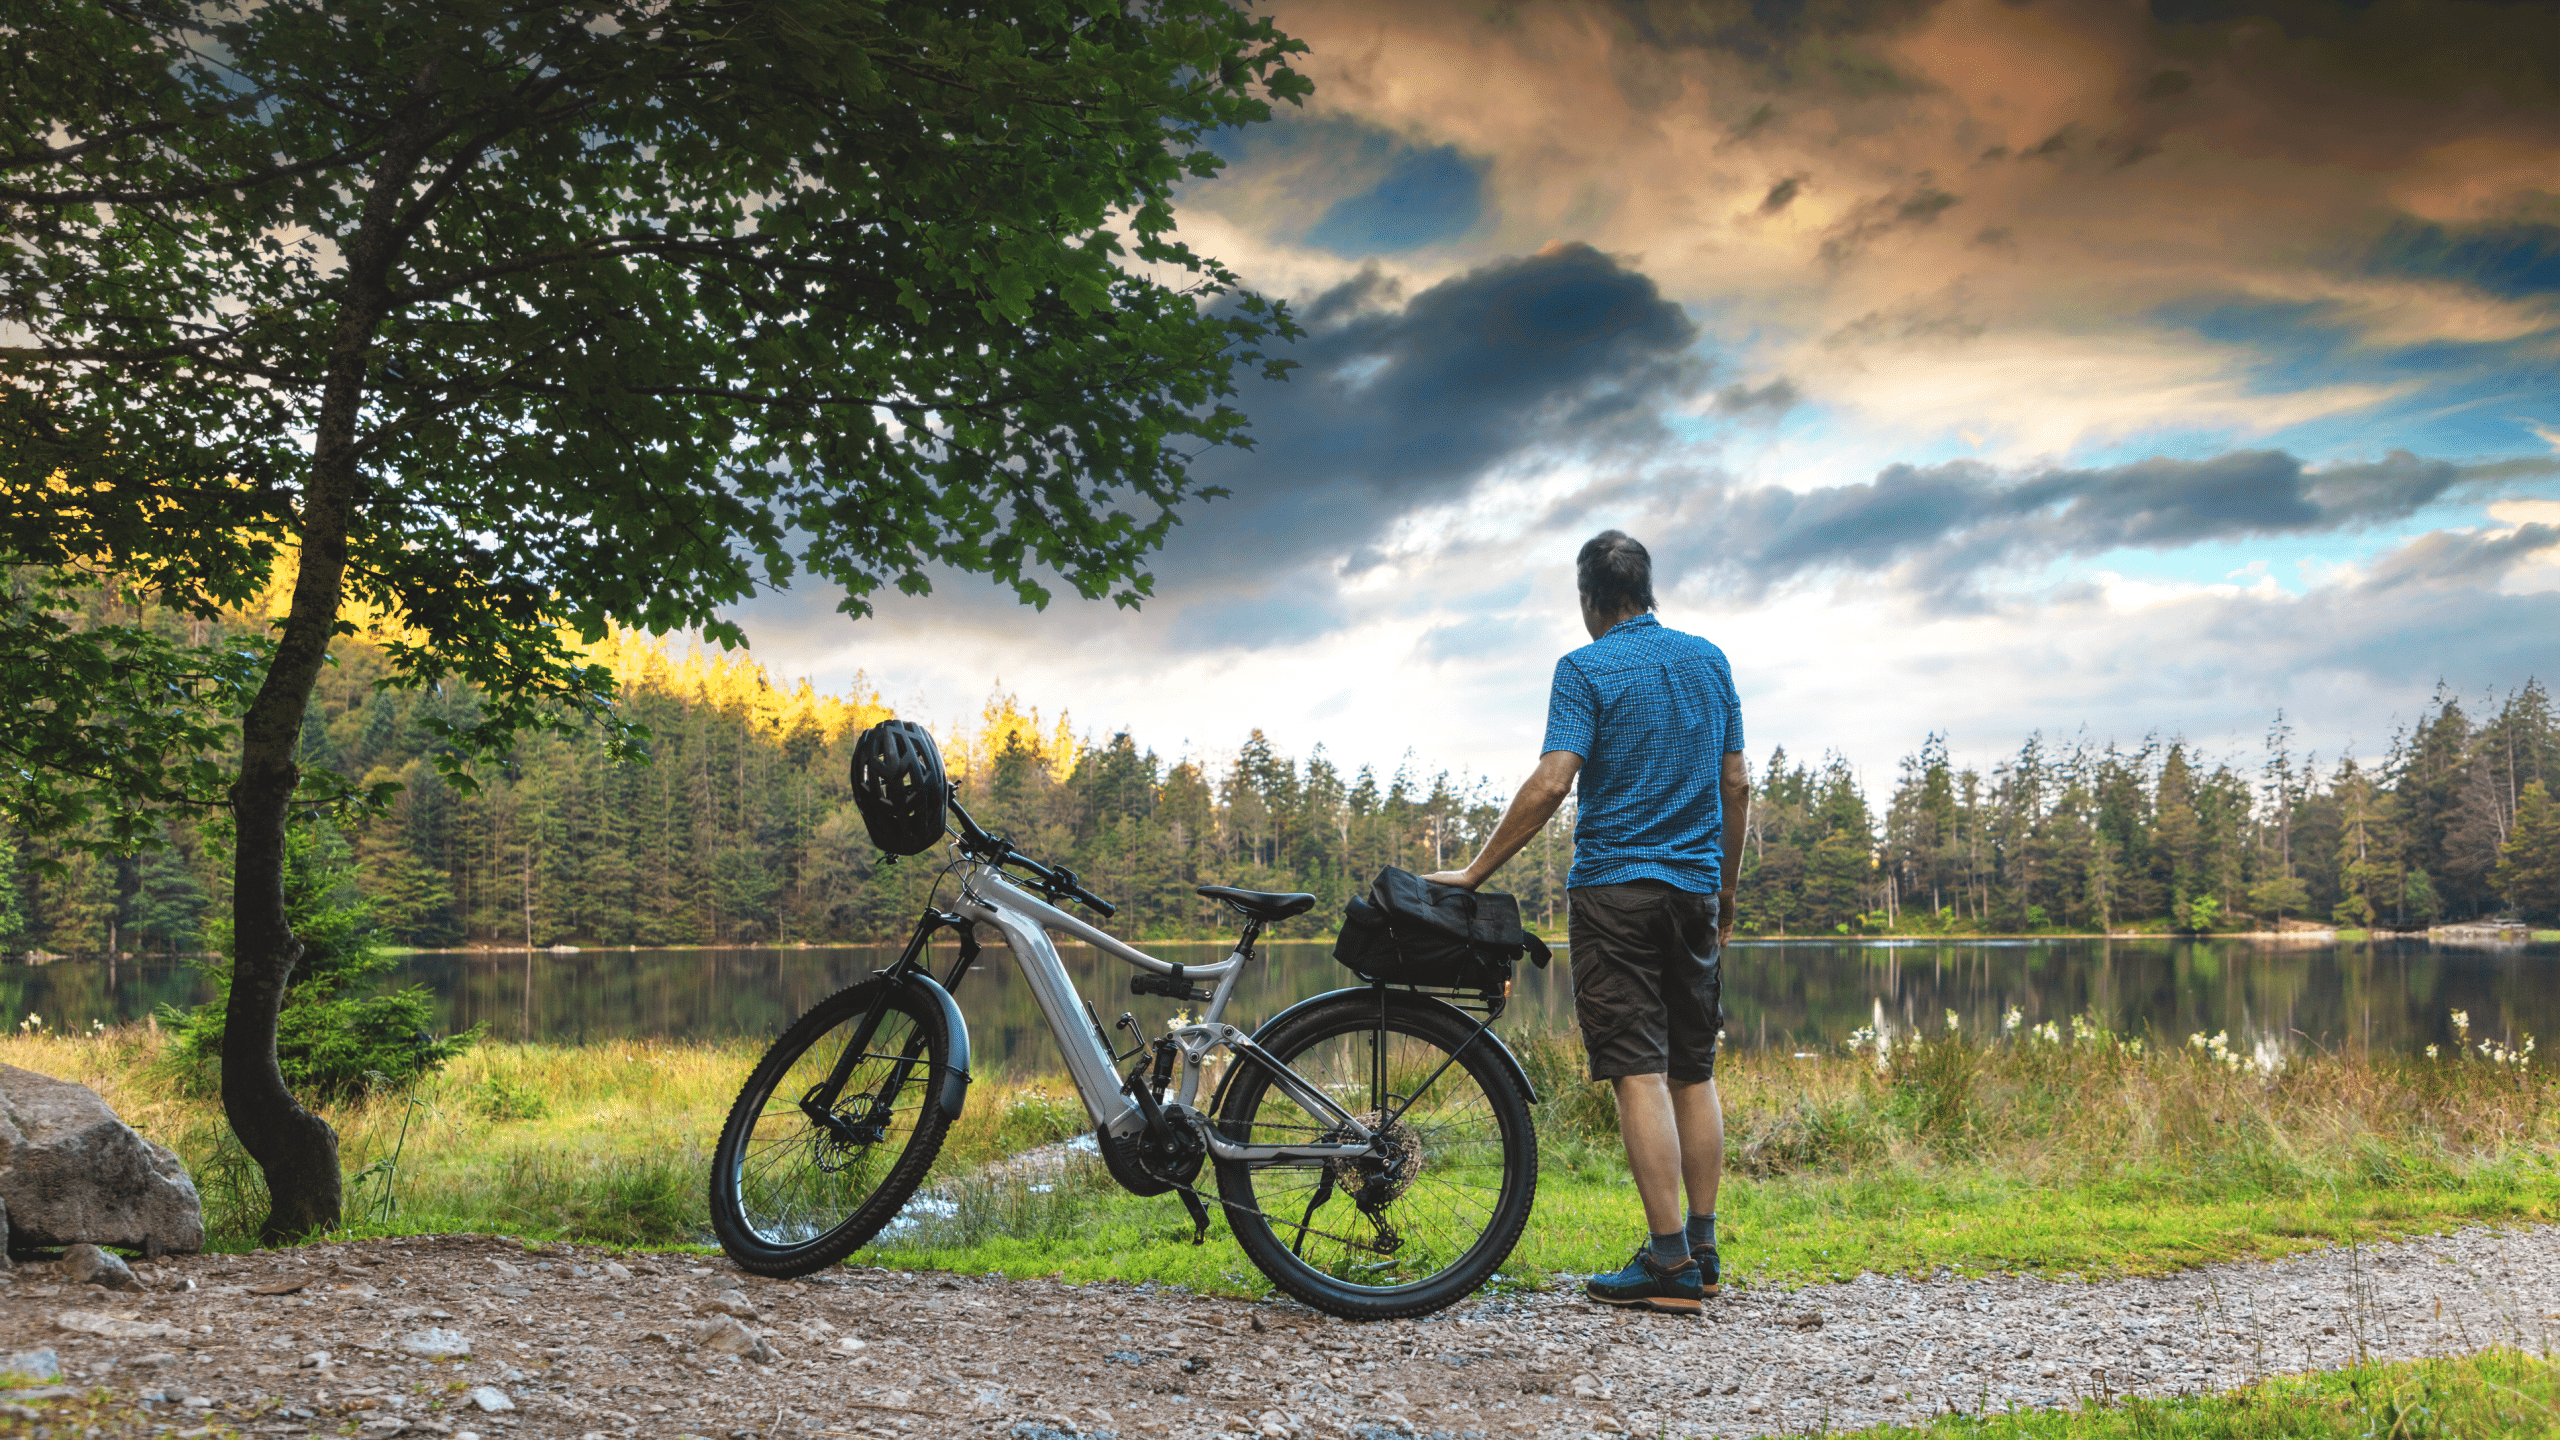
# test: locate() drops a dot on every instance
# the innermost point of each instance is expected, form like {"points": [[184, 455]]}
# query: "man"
{"points": [[1647, 718]]}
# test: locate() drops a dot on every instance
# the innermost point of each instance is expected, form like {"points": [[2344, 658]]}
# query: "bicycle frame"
{"points": [[988, 894]]}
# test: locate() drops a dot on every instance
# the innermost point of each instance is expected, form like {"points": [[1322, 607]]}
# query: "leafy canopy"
{"points": [[625, 310]]}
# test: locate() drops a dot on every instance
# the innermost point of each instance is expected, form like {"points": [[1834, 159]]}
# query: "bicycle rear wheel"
{"points": [[1419, 1226], [790, 1195]]}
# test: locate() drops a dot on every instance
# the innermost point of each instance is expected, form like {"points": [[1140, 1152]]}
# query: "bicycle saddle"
{"points": [[1261, 905]]}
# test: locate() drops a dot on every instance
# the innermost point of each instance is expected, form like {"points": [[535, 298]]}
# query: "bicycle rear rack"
{"points": [[1485, 1004]]}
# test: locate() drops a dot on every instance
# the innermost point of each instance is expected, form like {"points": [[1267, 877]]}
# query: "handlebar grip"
{"points": [[1105, 907]]}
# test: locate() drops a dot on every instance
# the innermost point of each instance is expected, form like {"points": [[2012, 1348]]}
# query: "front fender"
{"points": [[955, 1080], [1510, 1062]]}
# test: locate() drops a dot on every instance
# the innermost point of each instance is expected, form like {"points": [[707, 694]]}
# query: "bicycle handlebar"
{"points": [[996, 850]]}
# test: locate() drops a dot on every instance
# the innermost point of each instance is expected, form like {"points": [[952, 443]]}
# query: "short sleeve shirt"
{"points": [[1652, 712]]}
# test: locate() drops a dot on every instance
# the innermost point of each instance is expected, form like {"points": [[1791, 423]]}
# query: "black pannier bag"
{"points": [[1407, 931]]}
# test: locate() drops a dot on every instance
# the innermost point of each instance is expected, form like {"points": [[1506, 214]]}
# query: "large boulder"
{"points": [[72, 1173]]}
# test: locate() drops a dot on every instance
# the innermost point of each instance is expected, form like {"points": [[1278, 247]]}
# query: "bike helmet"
{"points": [[899, 787]]}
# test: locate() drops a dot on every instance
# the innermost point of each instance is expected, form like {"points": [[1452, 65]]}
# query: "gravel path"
{"points": [[587, 1343]]}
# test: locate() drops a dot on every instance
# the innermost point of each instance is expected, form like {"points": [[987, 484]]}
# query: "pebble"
{"points": [[728, 1302], [89, 1265], [316, 1360], [435, 1343], [1519, 1366], [32, 1364], [491, 1399], [616, 1271]]}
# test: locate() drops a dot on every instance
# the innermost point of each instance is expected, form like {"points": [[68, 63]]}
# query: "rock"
{"points": [[115, 1327], [435, 1343], [728, 1302], [89, 1265], [72, 1173], [157, 1359], [1585, 1387], [491, 1399], [722, 1334], [31, 1365], [316, 1360], [617, 1271]]}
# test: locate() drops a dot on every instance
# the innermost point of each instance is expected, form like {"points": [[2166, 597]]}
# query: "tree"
{"points": [[2528, 872], [497, 322]]}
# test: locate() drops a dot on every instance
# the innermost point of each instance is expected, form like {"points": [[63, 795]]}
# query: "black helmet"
{"points": [[899, 787]]}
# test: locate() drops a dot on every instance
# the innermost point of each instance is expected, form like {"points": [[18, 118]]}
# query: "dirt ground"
{"points": [[582, 1342]]}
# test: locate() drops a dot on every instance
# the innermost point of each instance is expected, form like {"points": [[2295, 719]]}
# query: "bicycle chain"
{"points": [[1224, 1203]]}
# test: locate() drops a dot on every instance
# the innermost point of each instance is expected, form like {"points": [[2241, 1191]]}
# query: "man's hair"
{"points": [[1614, 573]]}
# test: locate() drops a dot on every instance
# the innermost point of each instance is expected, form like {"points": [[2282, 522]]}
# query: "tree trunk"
{"points": [[296, 1150]]}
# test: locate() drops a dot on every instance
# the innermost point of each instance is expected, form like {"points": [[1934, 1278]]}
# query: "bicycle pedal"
{"points": [[1199, 1215]]}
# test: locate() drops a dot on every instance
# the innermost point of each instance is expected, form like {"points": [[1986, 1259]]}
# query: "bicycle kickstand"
{"points": [[1199, 1215]]}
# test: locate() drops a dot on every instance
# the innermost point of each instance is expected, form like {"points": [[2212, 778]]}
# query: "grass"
{"points": [[2500, 1392], [2081, 1154]]}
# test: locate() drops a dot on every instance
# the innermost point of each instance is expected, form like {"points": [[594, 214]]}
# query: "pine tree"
{"points": [[2528, 872]]}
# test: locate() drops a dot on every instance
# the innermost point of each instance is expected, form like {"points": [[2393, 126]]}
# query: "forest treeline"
{"points": [[740, 828]]}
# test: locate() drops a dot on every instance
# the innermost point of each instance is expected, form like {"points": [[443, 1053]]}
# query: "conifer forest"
{"points": [[738, 829]]}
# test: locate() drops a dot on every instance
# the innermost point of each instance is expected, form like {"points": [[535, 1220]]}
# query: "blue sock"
{"points": [[1671, 1248], [1702, 1231]]}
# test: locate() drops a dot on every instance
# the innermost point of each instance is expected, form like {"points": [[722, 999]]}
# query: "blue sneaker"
{"points": [[1710, 1268], [1647, 1284]]}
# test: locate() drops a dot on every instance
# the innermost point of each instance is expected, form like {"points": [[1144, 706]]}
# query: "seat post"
{"points": [[1252, 932]]}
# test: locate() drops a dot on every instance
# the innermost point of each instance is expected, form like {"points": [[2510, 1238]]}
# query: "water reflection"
{"points": [[1792, 993]]}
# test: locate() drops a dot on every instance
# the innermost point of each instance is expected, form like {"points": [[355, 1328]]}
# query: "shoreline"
{"points": [[2457, 937]]}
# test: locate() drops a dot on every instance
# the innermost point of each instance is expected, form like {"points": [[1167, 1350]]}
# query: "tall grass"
{"points": [[2050, 1109], [1900, 1151]]}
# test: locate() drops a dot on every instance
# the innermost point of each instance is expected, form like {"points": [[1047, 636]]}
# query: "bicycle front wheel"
{"points": [[1422, 1223], [790, 1194]]}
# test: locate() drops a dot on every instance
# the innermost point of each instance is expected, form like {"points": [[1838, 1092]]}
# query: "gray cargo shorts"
{"points": [[1648, 980]]}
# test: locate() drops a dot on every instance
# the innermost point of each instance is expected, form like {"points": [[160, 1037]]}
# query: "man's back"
{"points": [[1652, 712]]}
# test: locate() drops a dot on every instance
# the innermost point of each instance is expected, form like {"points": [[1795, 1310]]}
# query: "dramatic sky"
{"points": [[1967, 365]]}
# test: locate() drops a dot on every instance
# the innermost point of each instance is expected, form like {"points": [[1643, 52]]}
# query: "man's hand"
{"points": [[1724, 913], [1530, 810]]}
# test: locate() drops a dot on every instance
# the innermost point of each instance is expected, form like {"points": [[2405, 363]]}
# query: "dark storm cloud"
{"points": [[1938, 526], [1563, 352], [1390, 411]]}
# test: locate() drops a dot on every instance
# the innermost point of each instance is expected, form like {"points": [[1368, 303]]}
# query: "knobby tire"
{"points": [[1458, 1213], [788, 1200]]}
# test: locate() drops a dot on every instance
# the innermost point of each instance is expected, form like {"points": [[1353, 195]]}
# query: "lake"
{"points": [[1794, 994]]}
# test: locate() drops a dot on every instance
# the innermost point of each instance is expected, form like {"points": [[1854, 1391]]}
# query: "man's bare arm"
{"points": [[1737, 818], [1530, 810]]}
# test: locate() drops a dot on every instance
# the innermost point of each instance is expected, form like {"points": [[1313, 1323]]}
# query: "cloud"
{"points": [[1913, 207], [1776, 397], [2448, 557], [1939, 526], [1395, 410]]}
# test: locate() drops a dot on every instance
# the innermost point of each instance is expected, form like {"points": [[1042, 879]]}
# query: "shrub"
{"points": [[333, 1042]]}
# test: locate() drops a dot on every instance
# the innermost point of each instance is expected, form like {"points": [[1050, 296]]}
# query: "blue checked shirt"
{"points": [[1652, 712]]}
